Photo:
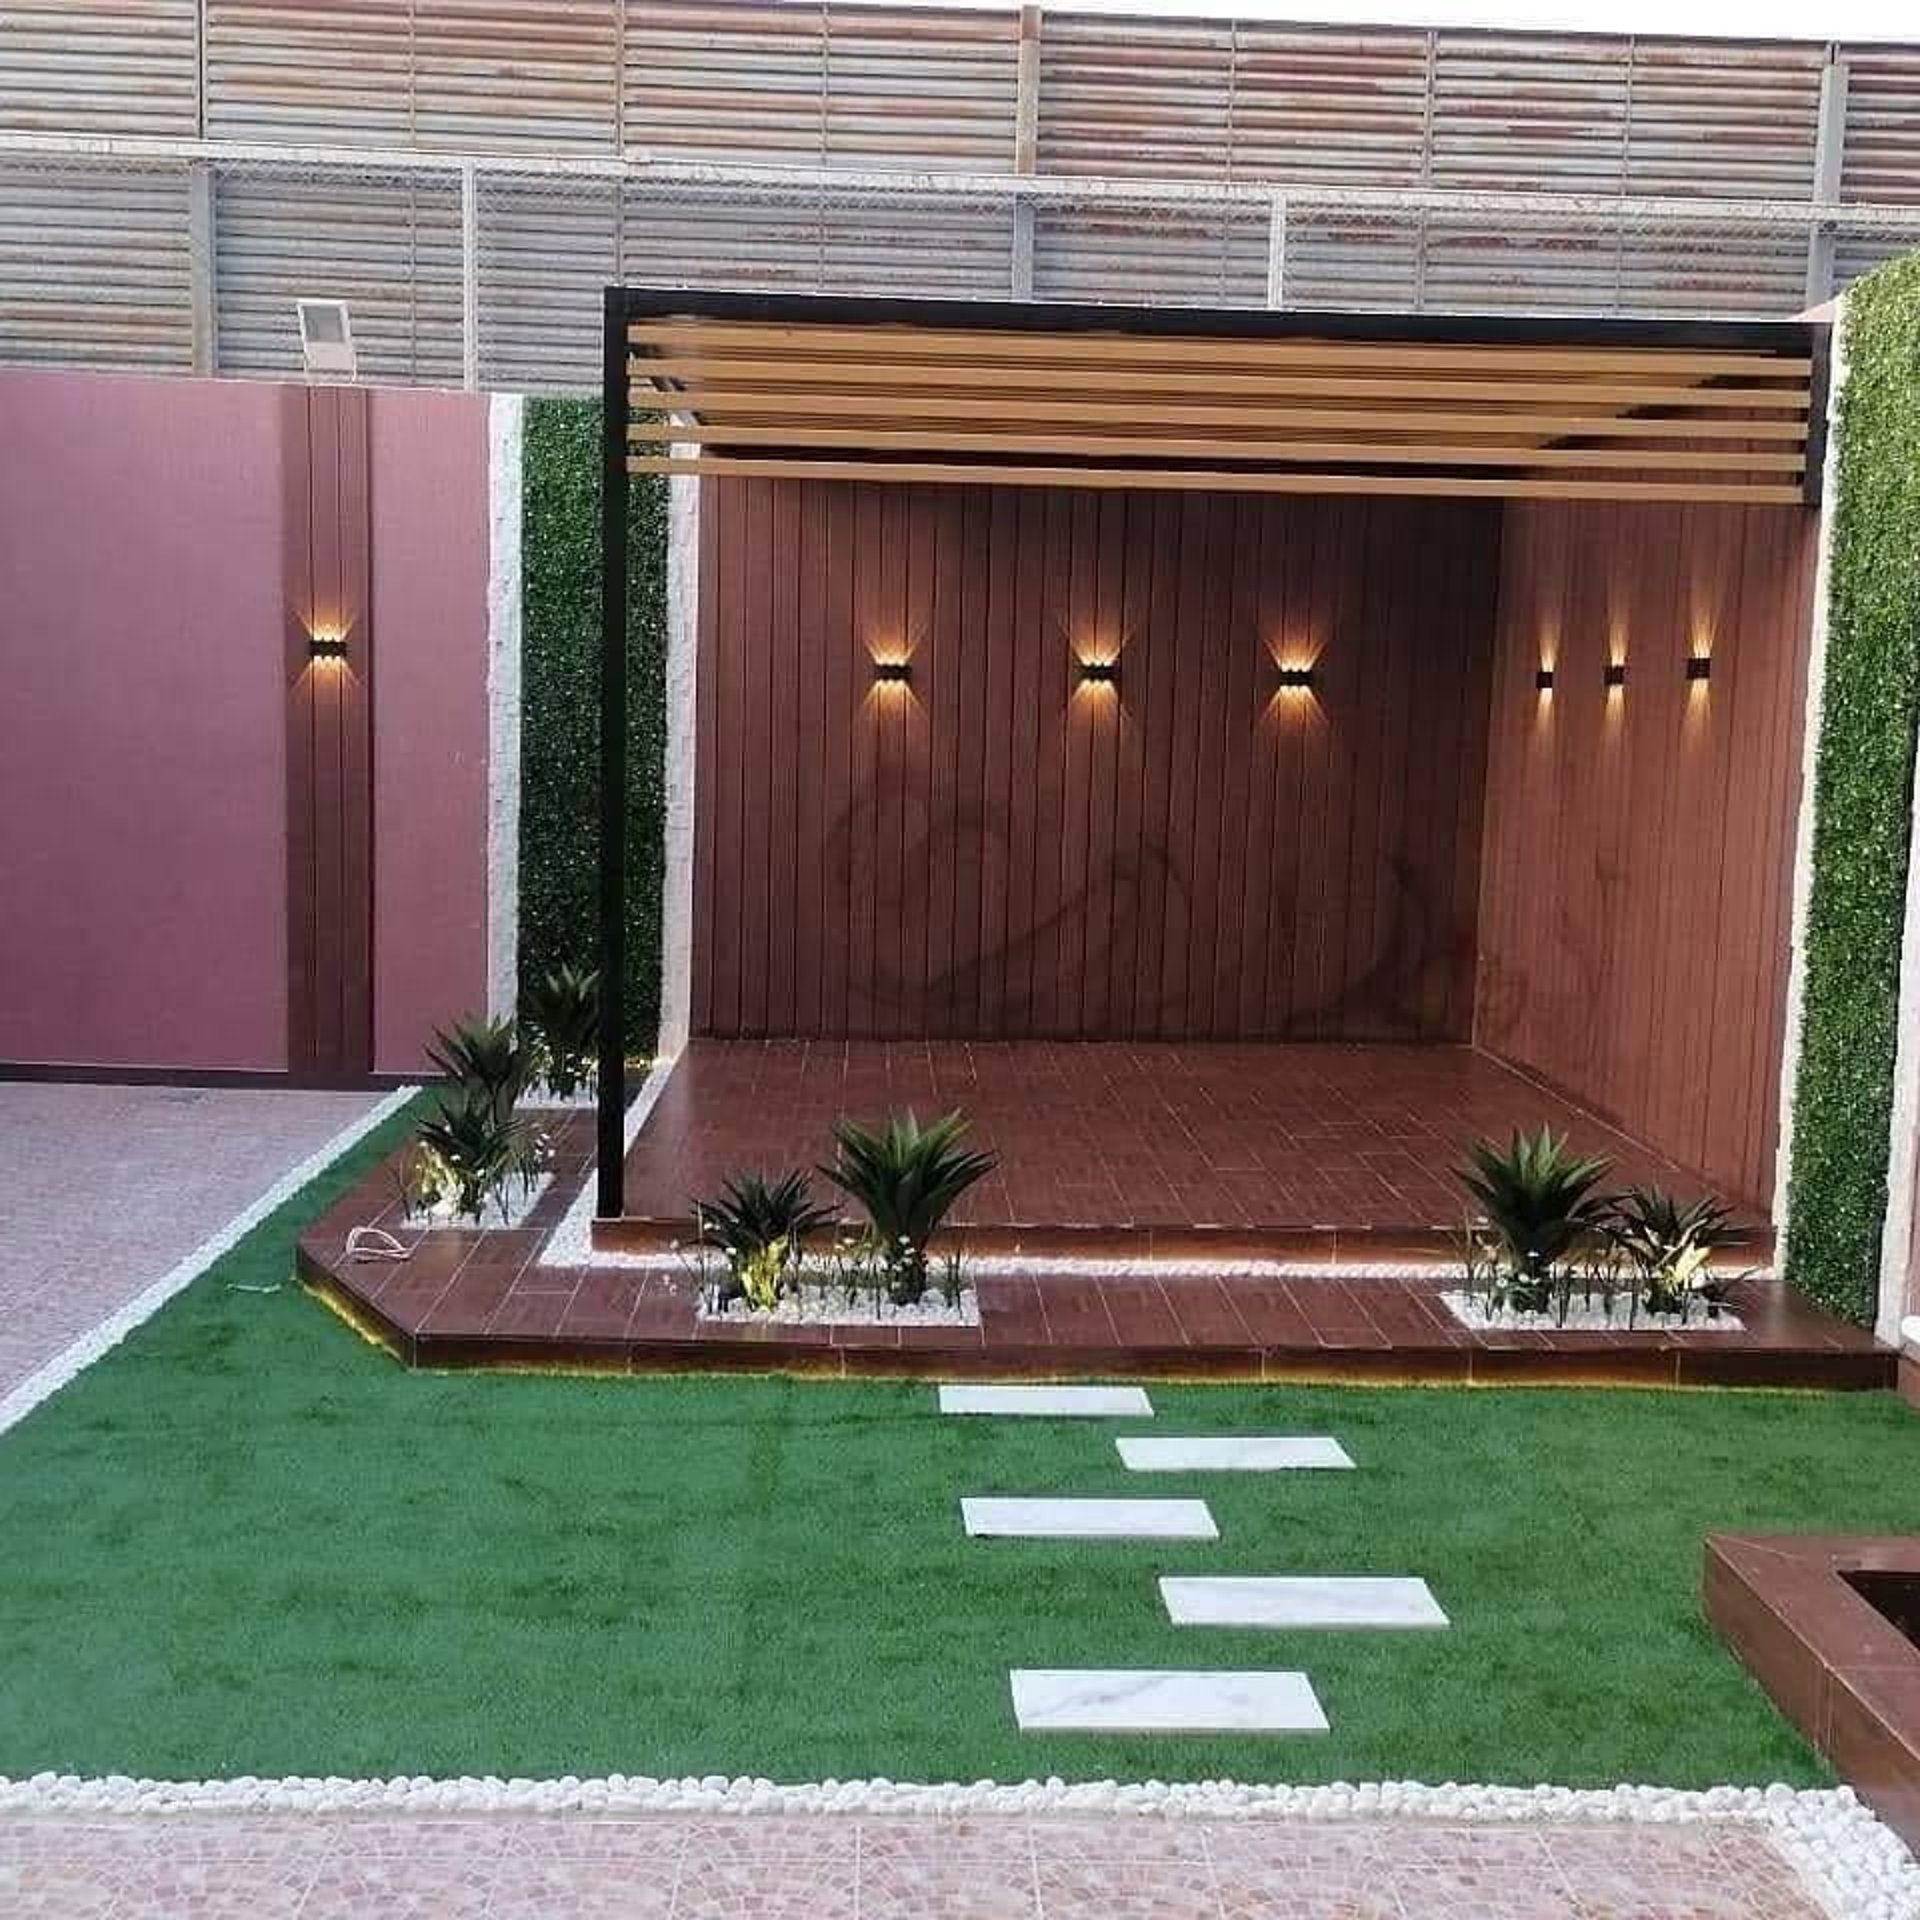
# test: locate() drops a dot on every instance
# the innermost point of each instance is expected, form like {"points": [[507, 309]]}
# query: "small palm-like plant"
{"points": [[561, 1010], [907, 1177], [482, 1149], [1539, 1200], [760, 1228], [485, 1059], [1668, 1245]]}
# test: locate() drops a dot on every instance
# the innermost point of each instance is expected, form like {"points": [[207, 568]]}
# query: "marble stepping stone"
{"points": [[1229, 1453], [1150, 1700], [1051, 1519], [1328, 1600], [1072, 1403]]}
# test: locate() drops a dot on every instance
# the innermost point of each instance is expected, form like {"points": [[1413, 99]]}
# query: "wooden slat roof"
{"points": [[1049, 395]]}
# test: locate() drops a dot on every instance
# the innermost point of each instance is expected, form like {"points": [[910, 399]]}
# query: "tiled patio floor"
{"points": [[825, 1867], [1122, 1135], [106, 1188]]}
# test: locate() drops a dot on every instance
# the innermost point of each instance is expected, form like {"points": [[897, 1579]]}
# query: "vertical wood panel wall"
{"points": [[329, 593], [996, 849], [1634, 916]]}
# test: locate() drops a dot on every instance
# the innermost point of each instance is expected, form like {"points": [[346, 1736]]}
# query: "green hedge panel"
{"points": [[1863, 791], [560, 705]]}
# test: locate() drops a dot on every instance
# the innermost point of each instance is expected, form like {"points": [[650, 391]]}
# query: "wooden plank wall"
{"points": [[327, 467], [997, 850], [1634, 916]]}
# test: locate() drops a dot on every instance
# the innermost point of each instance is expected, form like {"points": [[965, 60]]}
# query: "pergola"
{"points": [[1038, 395]]}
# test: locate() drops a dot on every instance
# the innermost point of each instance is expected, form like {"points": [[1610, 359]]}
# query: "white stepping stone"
{"points": [[1051, 1519], [1229, 1453], [1071, 1403], [1331, 1600], [1149, 1700]]}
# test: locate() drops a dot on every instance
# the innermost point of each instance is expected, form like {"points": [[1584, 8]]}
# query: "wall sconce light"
{"points": [[1616, 673], [892, 673], [1699, 666], [1544, 679], [327, 646], [1099, 673], [1296, 676]]}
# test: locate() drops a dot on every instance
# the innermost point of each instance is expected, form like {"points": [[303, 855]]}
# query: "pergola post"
{"points": [[610, 1146]]}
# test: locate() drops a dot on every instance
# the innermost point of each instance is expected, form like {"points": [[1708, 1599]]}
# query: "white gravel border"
{"points": [[1584, 1319], [45, 1381], [493, 1220], [1851, 1862], [818, 1306]]}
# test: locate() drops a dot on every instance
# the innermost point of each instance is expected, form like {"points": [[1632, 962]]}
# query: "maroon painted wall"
{"points": [[142, 750], [996, 850], [145, 596], [1636, 880]]}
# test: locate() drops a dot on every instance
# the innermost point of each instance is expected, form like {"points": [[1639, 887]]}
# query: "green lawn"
{"points": [[248, 1543]]}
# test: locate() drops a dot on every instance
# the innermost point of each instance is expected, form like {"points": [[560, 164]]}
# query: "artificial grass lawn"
{"points": [[247, 1543]]}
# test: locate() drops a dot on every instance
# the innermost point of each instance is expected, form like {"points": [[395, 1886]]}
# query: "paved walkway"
{"points": [[825, 1867], [106, 1188]]}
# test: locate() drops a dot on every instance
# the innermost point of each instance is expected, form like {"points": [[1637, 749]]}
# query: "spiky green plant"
{"points": [[483, 1148], [907, 1177], [1539, 1200], [1668, 1246], [760, 1228], [560, 1011], [485, 1059]]}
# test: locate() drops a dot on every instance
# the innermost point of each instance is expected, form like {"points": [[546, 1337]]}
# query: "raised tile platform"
{"points": [[486, 1298], [1129, 1149]]}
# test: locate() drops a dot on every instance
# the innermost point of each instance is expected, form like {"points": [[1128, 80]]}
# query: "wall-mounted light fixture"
{"points": [[892, 673], [1699, 666], [327, 646], [1296, 676], [1099, 673], [1616, 673], [1544, 679]]}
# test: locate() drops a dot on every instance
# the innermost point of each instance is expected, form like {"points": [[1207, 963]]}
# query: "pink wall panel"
{"points": [[430, 561], [142, 743]]}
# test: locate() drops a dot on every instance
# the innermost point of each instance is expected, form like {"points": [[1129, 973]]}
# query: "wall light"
{"points": [[1699, 666], [1616, 673], [1544, 679], [327, 646], [1296, 676], [892, 673], [1099, 673]]}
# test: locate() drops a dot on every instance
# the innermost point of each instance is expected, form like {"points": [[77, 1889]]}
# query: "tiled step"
{"points": [[1293, 1600], [1154, 1700], [1070, 1403], [1229, 1453], [1057, 1519]]}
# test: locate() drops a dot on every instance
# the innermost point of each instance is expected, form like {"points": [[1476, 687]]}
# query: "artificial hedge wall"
{"points": [[560, 704], [1863, 789]]}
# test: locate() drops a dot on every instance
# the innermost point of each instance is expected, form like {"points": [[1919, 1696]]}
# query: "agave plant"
{"points": [[907, 1177], [561, 1010], [760, 1227], [482, 1148], [485, 1059], [1539, 1201], [1668, 1246]]}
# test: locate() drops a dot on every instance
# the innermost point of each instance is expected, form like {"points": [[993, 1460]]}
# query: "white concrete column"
{"points": [[506, 416], [683, 638]]}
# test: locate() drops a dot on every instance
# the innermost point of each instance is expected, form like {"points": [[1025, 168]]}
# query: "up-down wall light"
{"points": [[1699, 666], [1296, 676], [1543, 679], [1616, 673], [327, 646], [1098, 673], [892, 673]]}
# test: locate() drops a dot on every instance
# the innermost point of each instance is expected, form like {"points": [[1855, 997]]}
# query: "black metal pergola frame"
{"points": [[624, 306]]}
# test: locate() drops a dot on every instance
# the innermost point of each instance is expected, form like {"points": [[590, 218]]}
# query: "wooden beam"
{"points": [[1148, 416], [1211, 480], [992, 347], [826, 376], [1094, 446]]}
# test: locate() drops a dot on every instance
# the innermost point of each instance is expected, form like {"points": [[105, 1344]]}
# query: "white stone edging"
{"points": [[47, 1380], [1471, 1312], [682, 672], [570, 1244], [1851, 1862]]}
